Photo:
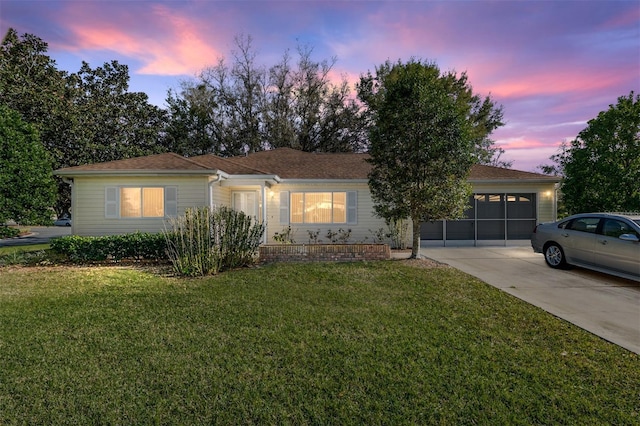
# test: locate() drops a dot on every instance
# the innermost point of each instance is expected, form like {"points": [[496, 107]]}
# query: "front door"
{"points": [[246, 202]]}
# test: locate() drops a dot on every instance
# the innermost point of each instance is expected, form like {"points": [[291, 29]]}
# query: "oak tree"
{"points": [[601, 167], [27, 189], [424, 129]]}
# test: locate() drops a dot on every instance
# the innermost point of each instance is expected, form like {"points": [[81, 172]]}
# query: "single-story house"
{"points": [[290, 188]]}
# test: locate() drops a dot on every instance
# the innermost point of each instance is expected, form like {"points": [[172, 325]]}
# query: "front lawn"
{"points": [[23, 249], [358, 343]]}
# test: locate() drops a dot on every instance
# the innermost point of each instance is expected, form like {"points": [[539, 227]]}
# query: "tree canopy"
{"points": [[83, 117], [601, 167], [242, 106], [229, 109], [425, 126], [27, 189]]}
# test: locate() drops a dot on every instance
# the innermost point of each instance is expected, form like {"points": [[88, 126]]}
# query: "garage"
{"points": [[490, 217]]}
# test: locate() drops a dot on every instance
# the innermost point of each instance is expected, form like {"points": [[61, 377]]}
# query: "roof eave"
{"points": [[73, 173], [319, 181], [550, 180]]}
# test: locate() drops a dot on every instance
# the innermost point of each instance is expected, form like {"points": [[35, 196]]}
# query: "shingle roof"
{"points": [[484, 173], [227, 165], [291, 163], [286, 163], [158, 162]]}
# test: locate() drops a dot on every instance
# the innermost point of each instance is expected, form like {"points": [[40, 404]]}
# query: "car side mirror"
{"points": [[629, 237]]}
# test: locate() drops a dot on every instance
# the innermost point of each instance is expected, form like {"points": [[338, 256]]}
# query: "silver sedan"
{"points": [[605, 242]]}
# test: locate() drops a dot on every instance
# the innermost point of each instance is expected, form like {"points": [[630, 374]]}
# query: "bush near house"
{"points": [[137, 246], [202, 242], [207, 240]]}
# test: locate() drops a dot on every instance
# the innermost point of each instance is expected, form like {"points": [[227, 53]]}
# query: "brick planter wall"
{"points": [[323, 252]]}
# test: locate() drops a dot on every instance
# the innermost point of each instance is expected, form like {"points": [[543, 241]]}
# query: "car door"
{"points": [[580, 240], [613, 253]]}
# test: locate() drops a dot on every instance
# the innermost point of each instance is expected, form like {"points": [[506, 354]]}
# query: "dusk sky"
{"points": [[553, 65]]}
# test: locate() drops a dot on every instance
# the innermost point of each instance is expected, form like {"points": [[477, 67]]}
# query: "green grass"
{"points": [[362, 343], [24, 249]]}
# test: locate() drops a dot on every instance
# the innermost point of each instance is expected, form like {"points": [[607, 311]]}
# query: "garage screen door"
{"points": [[489, 217]]}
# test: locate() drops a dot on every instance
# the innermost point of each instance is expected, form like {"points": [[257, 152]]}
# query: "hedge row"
{"points": [[7, 232], [136, 246]]}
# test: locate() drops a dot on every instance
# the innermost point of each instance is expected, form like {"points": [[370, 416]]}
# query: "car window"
{"points": [[584, 224], [563, 225], [614, 228]]}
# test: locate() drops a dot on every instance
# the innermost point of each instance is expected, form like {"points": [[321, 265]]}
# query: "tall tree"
{"points": [[424, 130], [238, 107], [601, 167], [189, 128], [31, 84], [236, 98], [310, 112], [82, 118], [27, 188], [113, 123]]}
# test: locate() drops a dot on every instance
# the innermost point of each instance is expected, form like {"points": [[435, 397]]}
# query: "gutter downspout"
{"points": [[218, 178], [264, 212]]}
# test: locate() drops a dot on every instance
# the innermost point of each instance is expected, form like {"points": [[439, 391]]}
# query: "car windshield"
{"points": [[637, 221]]}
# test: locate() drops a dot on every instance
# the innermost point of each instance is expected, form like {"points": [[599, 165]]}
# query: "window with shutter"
{"points": [[352, 207], [171, 201], [111, 202], [284, 207], [140, 202]]}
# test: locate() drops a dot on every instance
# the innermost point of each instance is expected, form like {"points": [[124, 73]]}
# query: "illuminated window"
{"points": [[140, 202], [322, 207]]}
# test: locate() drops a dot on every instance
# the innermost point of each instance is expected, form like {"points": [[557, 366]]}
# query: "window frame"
{"points": [[113, 202], [350, 205]]}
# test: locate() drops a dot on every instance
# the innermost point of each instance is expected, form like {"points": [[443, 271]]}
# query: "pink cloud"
{"points": [[174, 46], [521, 143], [556, 81]]}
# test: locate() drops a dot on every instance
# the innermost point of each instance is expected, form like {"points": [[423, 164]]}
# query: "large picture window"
{"points": [[140, 202], [318, 207]]}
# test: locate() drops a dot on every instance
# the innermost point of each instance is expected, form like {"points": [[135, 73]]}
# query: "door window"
{"points": [[614, 228], [584, 224]]}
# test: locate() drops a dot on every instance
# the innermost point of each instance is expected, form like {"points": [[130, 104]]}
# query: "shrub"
{"points": [[136, 246], [398, 232], [206, 241], [313, 236], [7, 232], [285, 236]]}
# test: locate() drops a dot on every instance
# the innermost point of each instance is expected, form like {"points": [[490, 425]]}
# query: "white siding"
{"points": [[221, 195], [89, 203]]}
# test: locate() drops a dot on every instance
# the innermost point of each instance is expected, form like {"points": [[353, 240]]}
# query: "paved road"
{"points": [[606, 306], [39, 235]]}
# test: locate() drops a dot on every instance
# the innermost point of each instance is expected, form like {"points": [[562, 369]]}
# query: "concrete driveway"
{"points": [[606, 306]]}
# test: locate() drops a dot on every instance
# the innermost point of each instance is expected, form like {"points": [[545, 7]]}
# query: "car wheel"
{"points": [[554, 256]]}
